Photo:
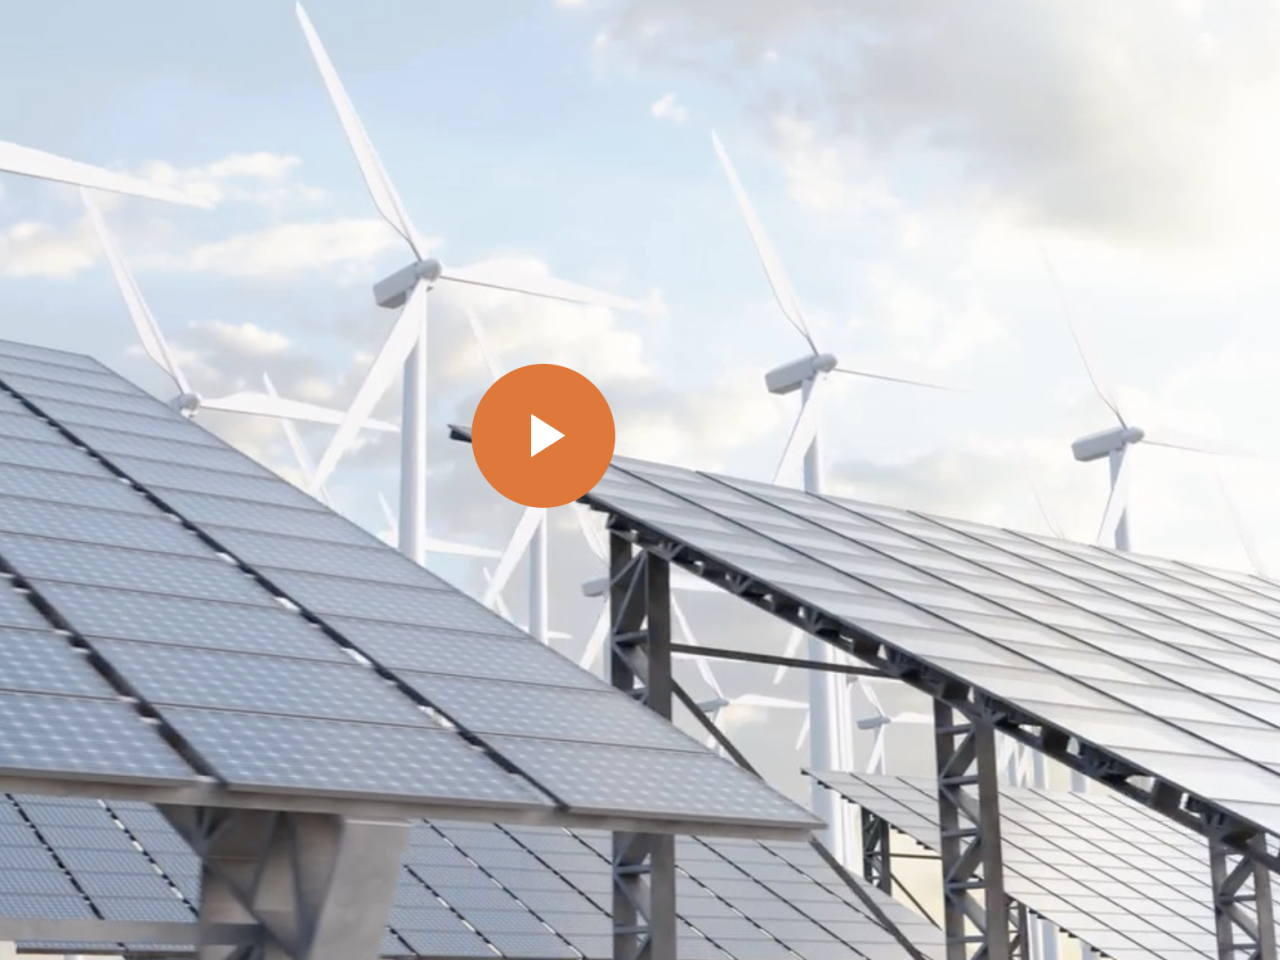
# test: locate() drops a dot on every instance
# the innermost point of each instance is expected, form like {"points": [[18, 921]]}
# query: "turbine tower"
{"points": [[829, 746], [406, 345]]}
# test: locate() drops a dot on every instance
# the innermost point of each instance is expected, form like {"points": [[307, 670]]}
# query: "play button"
{"points": [[541, 435], [519, 451]]}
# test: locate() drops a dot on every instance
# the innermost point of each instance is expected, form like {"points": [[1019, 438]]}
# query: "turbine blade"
{"points": [[876, 762], [802, 434], [300, 455], [1103, 391], [498, 604], [595, 642], [395, 350], [153, 341], [387, 512], [460, 549], [1117, 503], [1194, 443], [548, 288], [804, 731], [582, 514], [520, 537], [490, 361], [794, 639], [788, 303], [1044, 513], [908, 381], [704, 668], [27, 162], [1242, 531], [267, 405], [375, 176], [761, 700]]}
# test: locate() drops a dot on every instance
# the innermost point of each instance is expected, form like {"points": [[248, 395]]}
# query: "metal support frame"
{"points": [[1243, 910], [644, 864], [317, 886], [975, 908], [876, 855]]}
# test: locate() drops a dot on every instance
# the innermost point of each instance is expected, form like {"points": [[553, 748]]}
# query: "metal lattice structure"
{"points": [[1114, 874], [1154, 677]]}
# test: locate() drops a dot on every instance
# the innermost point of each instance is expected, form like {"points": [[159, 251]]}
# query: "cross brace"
{"points": [[644, 865], [975, 909], [317, 886], [1242, 906]]}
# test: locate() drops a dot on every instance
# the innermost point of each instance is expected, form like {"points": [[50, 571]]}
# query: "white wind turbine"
{"points": [[188, 402], [406, 345], [805, 375], [26, 162]]}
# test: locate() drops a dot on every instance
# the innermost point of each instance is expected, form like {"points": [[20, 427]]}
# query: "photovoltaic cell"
{"points": [[1123, 879], [159, 605], [9, 348], [164, 423], [74, 738], [156, 533], [16, 610], [371, 562], [101, 379], [121, 615], [1124, 652], [47, 663], [100, 490], [348, 759]]}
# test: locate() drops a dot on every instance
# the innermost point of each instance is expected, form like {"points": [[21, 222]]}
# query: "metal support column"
{"points": [[1021, 945], [644, 865], [319, 886], [975, 909], [876, 862], [1242, 905]]}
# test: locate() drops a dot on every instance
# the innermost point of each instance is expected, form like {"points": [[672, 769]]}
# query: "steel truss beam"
{"points": [[744, 656], [975, 911], [317, 886], [1242, 906], [1166, 798], [644, 864], [877, 863]]}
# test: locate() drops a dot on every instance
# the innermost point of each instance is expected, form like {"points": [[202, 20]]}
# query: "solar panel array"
{"points": [[1168, 668], [466, 890], [282, 648], [1121, 878]]}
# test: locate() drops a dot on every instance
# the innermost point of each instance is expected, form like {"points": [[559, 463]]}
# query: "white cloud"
{"points": [[666, 108], [289, 250], [1145, 121], [263, 179], [31, 249], [827, 175]]}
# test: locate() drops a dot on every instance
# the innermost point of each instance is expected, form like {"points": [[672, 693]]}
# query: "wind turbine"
{"points": [[1115, 443], [803, 375], [407, 343], [27, 162], [188, 402]]}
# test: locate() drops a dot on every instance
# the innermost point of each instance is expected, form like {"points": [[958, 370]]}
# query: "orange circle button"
{"points": [[543, 435]]}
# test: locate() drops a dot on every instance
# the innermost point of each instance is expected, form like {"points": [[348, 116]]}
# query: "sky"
{"points": [[913, 164]]}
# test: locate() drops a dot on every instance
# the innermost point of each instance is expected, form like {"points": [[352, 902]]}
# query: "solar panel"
{"points": [[1089, 651], [1115, 875], [194, 628]]}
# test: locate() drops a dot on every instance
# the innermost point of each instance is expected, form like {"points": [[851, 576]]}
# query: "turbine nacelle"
{"points": [[792, 376], [873, 723], [186, 404], [596, 588], [395, 289], [713, 706], [1102, 444]]}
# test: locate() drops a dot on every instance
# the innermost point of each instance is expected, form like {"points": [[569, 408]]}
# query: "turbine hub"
{"points": [[1102, 444], [430, 270], [792, 376], [186, 404]]}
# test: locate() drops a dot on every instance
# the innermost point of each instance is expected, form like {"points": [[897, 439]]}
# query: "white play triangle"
{"points": [[541, 435]]}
